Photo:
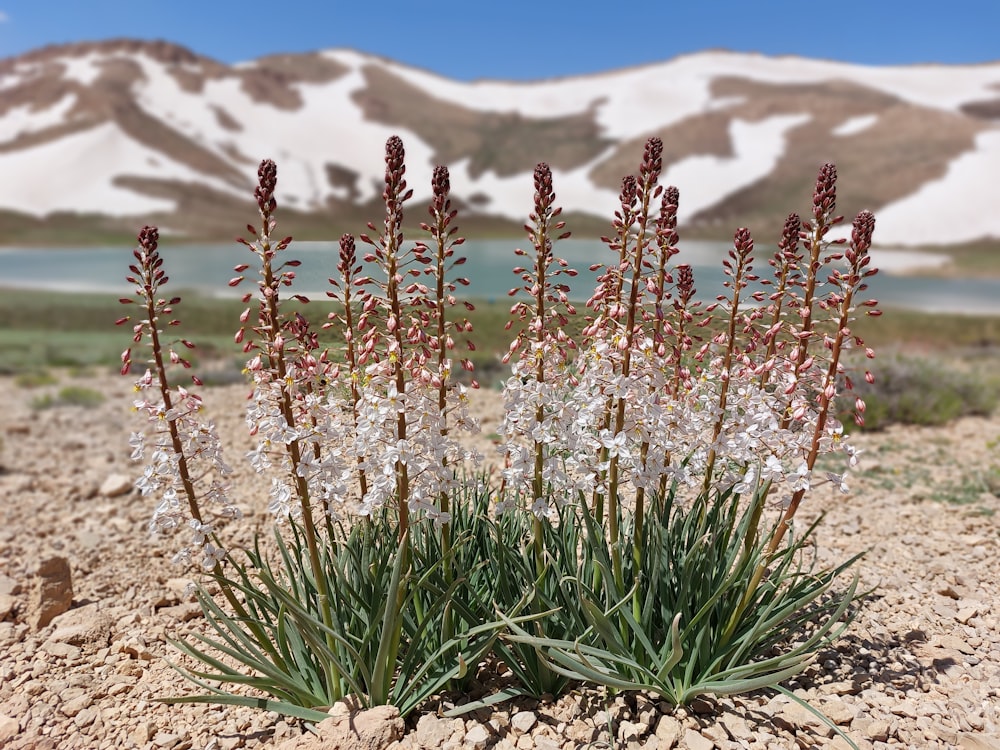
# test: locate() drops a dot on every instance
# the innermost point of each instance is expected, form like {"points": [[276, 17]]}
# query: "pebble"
{"points": [[115, 485], [523, 721], [52, 592], [697, 741]]}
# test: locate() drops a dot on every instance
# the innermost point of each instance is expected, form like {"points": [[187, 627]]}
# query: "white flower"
{"points": [[281, 499], [772, 470], [617, 444], [136, 443], [852, 454], [211, 555], [542, 509], [799, 479], [748, 483]]}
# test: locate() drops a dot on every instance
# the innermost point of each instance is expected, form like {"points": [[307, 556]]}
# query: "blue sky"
{"points": [[525, 40]]}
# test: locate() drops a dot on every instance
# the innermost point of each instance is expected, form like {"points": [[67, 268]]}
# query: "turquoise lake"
{"points": [[207, 268]]}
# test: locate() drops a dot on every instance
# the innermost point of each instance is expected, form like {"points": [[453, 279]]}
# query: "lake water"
{"points": [[207, 268]]}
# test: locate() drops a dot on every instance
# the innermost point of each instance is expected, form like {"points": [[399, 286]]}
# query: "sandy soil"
{"points": [[920, 668]]}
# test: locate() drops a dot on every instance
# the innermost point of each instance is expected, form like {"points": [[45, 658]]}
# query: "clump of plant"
{"points": [[642, 533], [36, 379], [71, 395]]}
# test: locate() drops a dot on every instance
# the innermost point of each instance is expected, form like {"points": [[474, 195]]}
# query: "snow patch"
{"points": [[854, 125], [513, 197], [85, 165], [959, 207], [10, 82], [23, 73], [706, 180], [328, 128], [83, 69], [26, 119], [633, 101]]}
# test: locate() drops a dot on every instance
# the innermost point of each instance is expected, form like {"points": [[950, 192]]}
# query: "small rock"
{"points": [[166, 740], [968, 741], [143, 733], [843, 687], [904, 708], [669, 732], [954, 643], [184, 612], [630, 732], [61, 650], [523, 721], [82, 626], [86, 717], [717, 733], [697, 741], [116, 485], [9, 728], [968, 611], [794, 716], [581, 732], [477, 737], [736, 726], [840, 713], [350, 728], [8, 586], [75, 705], [52, 593], [702, 706], [7, 604], [135, 648], [876, 730], [432, 731]]}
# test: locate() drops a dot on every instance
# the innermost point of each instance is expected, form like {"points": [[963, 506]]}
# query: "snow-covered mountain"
{"points": [[113, 134]]}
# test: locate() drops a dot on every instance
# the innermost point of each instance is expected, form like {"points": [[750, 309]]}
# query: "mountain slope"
{"points": [[109, 135]]}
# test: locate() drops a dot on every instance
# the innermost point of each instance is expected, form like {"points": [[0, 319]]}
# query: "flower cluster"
{"points": [[408, 399], [642, 407], [185, 469], [657, 393]]}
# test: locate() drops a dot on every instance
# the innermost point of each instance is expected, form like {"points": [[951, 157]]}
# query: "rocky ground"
{"points": [[920, 668]]}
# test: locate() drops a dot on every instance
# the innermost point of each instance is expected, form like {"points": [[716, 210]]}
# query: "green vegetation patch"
{"points": [[925, 391], [72, 395]]}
